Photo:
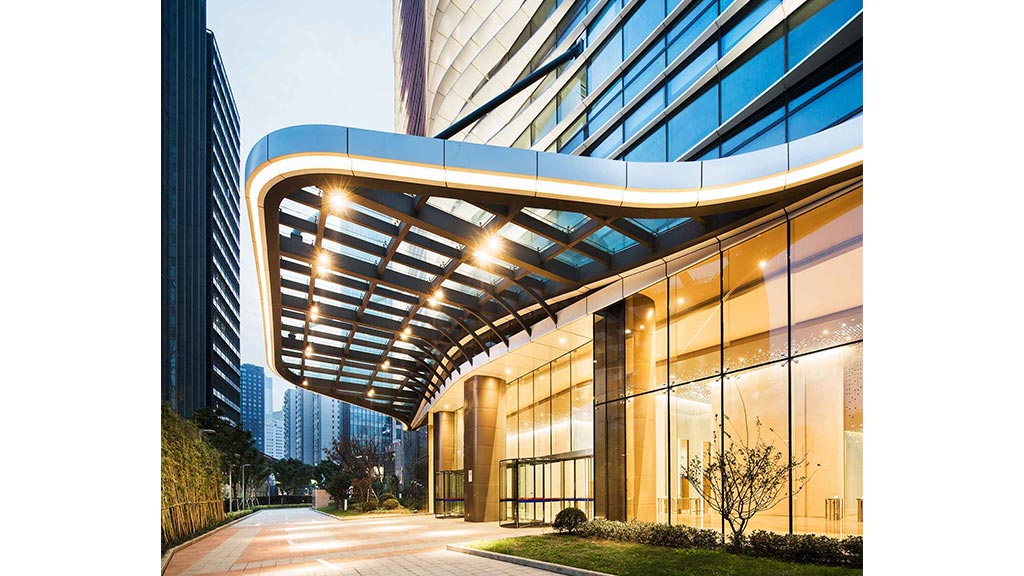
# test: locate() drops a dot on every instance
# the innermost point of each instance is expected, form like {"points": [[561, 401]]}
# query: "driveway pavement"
{"points": [[300, 542]]}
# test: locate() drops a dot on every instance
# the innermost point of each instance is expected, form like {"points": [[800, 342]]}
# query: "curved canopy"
{"points": [[386, 261]]}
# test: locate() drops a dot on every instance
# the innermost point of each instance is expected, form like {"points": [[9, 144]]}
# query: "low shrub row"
{"points": [[806, 548], [651, 533], [809, 548]]}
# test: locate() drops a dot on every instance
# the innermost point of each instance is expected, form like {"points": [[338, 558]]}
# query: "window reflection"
{"points": [[756, 313]]}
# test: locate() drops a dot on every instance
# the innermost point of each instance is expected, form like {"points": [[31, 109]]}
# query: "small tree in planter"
{"points": [[747, 477]]}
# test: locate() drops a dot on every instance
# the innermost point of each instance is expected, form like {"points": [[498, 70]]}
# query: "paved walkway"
{"points": [[300, 542]]}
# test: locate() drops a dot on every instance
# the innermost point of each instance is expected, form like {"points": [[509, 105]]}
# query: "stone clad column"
{"points": [[444, 441], [484, 417]]}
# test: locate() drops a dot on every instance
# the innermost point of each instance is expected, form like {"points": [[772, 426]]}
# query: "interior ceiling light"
{"points": [[762, 263], [370, 392], [305, 382], [309, 350]]}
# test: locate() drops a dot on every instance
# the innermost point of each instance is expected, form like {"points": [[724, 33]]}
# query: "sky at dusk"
{"points": [[300, 62]]}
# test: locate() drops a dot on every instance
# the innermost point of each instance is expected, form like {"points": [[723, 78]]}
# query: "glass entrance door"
{"points": [[534, 490], [449, 494]]}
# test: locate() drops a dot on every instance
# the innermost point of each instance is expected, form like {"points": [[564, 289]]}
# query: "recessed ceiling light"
{"points": [[323, 259], [762, 263]]}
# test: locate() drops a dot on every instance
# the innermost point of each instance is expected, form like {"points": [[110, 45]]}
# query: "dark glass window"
{"points": [[740, 139], [687, 28], [815, 21], [750, 17], [693, 122], [843, 99], [651, 149], [641, 23], [645, 112], [608, 144], [604, 63], [606, 106], [684, 77], [753, 72], [603, 19], [644, 69]]}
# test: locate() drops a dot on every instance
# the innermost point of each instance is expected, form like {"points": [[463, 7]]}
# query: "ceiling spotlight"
{"points": [[681, 301], [305, 382], [561, 340], [508, 370], [436, 298], [650, 313], [323, 259], [309, 350], [370, 392], [314, 312], [762, 263], [386, 364], [338, 201], [628, 331]]}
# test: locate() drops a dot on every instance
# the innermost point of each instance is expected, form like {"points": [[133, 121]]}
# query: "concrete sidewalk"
{"points": [[299, 542]]}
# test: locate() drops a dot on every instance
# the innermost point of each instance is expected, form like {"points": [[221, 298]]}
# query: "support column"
{"points": [[484, 417]]}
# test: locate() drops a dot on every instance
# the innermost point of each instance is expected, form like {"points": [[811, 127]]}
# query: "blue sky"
{"points": [[300, 62]]}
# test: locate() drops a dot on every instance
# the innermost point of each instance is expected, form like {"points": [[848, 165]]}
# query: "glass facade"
{"points": [[549, 433], [652, 97], [769, 330]]}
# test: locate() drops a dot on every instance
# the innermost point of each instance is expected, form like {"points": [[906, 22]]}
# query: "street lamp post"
{"points": [[243, 484]]}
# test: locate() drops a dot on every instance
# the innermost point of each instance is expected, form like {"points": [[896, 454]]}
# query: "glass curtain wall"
{"points": [[763, 338], [549, 441]]}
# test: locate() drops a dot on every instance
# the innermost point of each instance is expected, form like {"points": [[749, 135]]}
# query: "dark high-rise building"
{"points": [[254, 403], [199, 218]]}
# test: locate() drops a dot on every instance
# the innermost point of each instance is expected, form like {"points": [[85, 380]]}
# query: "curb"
{"points": [[364, 516], [165, 560], [528, 562]]}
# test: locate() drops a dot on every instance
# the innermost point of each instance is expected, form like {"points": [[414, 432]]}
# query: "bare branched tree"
{"points": [[749, 476], [359, 458]]}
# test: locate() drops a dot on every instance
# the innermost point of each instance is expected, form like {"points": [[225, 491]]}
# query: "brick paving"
{"points": [[301, 542]]}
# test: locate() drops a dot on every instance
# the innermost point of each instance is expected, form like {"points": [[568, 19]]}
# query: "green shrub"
{"points": [[369, 505], [651, 533], [853, 548], [386, 496], [806, 548], [569, 520], [390, 504]]}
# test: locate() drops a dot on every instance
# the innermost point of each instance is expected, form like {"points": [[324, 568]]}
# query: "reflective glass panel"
{"points": [[694, 414], [646, 474], [695, 322], [756, 314]]}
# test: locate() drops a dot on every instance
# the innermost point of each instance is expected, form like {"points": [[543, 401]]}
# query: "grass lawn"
{"points": [[626, 559]]}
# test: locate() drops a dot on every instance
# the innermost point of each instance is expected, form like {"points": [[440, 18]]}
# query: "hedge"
{"points": [[809, 548]]}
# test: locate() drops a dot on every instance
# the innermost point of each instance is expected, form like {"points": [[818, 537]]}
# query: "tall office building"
{"points": [[275, 436], [199, 218], [268, 412], [312, 422], [254, 403]]}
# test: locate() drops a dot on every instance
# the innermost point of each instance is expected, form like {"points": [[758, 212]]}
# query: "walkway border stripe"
{"points": [[528, 562]]}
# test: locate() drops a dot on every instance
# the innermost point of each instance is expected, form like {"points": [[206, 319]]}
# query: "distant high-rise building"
{"points": [[254, 403], [312, 422], [275, 436], [268, 412], [199, 218]]}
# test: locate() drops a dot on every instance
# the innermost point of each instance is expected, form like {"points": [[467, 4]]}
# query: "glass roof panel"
{"points": [[307, 213], [379, 314], [573, 258], [338, 225], [609, 240], [657, 225], [464, 289], [422, 254], [403, 269], [377, 299], [336, 248], [437, 238], [427, 311], [462, 209], [524, 237], [367, 349], [374, 213], [474, 272], [565, 221]]}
